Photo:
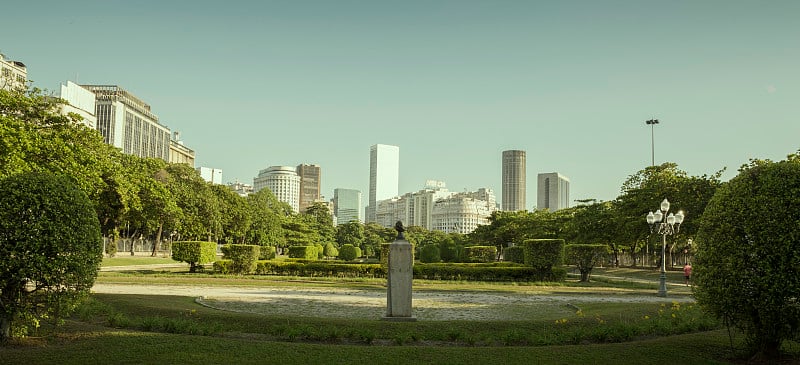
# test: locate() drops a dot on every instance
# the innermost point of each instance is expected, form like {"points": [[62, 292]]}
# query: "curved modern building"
{"points": [[284, 183]]}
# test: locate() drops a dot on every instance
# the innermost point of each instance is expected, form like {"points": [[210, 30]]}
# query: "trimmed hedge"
{"points": [[320, 269], [243, 257], [303, 252], [348, 252], [543, 253], [514, 254], [268, 253], [476, 272], [194, 253], [429, 253], [480, 253]]}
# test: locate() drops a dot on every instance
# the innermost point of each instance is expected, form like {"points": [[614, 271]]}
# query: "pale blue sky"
{"points": [[453, 83]]}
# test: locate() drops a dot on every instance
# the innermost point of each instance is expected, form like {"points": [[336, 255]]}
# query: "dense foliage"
{"points": [[194, 253], [243, 257], [50, 249], [348, 252], [585, 257], [543, 254], [748, 254]]}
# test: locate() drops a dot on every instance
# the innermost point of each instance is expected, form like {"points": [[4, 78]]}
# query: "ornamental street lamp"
{"points": [[665, 227]]}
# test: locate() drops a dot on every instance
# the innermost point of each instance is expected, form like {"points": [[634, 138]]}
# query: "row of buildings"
{"points": [[128, 123], [124, 120]]}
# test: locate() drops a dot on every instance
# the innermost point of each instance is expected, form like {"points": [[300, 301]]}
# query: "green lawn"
{"points": [[137, 260], [151, 329]]}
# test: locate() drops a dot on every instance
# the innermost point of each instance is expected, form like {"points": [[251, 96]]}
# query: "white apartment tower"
{"points": [[553, 191], [126, 122], [384, 176], [284, 183]]}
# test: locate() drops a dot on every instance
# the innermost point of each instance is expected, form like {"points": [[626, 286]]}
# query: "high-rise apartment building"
{"points": [[126, 122], [460, 213], [346, 205], [13, 74], [513, 180], [310, 185], [384, 176], [284, 183], [552, 191]]}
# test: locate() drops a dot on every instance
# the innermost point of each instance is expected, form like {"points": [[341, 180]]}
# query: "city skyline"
{"points": [[452, 83]]}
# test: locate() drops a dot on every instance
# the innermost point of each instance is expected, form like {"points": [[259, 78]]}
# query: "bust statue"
{"points": [[400, 229]]}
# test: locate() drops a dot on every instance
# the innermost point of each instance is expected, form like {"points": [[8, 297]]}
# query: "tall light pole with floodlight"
{"points": [[665, 225], [652, 123]]}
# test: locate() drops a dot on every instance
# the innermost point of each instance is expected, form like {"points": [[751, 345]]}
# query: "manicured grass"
{"points": [[86, 344], [137, 260]]}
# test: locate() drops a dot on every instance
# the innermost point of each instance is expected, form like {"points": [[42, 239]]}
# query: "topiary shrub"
{"points": [[543, 254], [429, 254], [194, 253], [480, 253], [222, 266], [330, 250], [585, 257], [267, 253], [50, 250], [320, 251], [303, 252], [514, 254], [243, 257], [347, 252], [358, 252], [747, 255]]}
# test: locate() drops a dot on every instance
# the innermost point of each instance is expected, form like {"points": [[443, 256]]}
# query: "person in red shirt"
{"points": [[687, 272]]}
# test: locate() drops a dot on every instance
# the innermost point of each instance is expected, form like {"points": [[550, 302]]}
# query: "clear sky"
{"points": [[250, 84]]}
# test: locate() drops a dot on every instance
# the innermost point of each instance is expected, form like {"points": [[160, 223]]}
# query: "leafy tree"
{"points": [[321, 221], [201, 218], [644, 191], [234, 215], [585, 257], [350, 233], [267, 215], [748, 256], [595, 222], [51, 248]]}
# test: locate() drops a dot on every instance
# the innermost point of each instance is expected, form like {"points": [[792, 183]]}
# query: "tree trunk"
{"points": [[585, 276], [5, 329], [158, 238]]}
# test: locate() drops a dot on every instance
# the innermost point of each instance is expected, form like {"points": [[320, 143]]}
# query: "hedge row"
{"points": [[474, 272], [514, 254], [486, 273]]}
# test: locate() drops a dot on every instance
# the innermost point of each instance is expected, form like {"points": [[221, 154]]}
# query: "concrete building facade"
{"points": [[179, 153], [284, 183], [127, 122], [384, 176], [80, 101], [552, 191], [514, 180], [13, 74], [310, 185]]}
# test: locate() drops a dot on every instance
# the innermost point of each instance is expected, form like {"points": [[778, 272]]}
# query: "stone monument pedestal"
{"points": [[400, 276]]}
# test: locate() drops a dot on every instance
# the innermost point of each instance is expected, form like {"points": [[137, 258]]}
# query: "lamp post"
{"points": [[652, 123], [664, 225]]}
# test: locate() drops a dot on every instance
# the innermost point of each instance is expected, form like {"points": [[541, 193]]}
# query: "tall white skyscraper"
{"points": [[553, 191], [384, 175]]}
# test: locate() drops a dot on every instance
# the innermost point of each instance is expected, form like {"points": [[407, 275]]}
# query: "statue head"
{"points": [[400, 229]]}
